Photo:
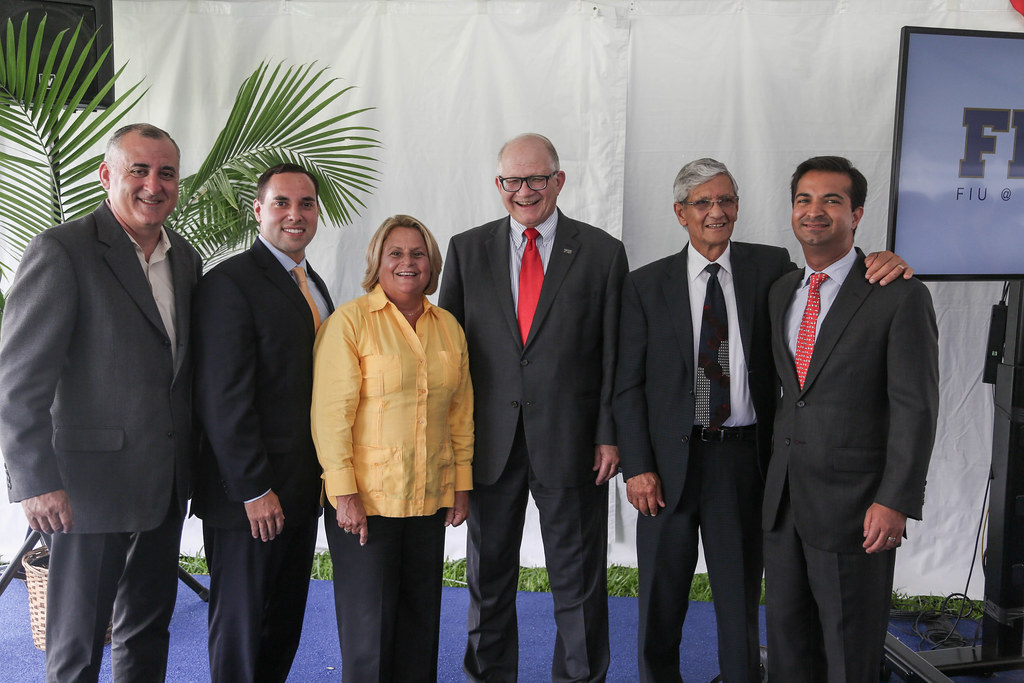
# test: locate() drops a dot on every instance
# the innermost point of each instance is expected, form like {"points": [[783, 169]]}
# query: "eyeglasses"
{"points": [[704, 205], [534, 182]]}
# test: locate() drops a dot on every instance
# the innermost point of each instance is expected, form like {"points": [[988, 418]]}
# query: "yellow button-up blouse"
{"points": [[392, 408]]}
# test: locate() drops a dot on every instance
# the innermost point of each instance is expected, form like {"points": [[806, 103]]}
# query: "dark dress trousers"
{"points": [[711, 487], [253, 340], [93, 401], [540, 410], [860, 431]]}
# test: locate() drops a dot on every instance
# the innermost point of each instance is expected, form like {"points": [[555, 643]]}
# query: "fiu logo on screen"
{"points": [[977, 142]]}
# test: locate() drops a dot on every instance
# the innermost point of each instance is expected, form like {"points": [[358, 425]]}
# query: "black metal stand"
{"points": [[15, 571], [1002, 625]]}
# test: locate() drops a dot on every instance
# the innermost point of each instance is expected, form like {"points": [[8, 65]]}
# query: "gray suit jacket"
{"points": [[654, 398], [90, 399], [562, 380], [861, 429]]}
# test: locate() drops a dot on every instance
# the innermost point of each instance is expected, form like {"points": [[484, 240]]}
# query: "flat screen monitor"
{"points": [[956, 208]]}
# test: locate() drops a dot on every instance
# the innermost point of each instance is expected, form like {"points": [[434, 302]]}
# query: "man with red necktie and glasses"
{"points": [[538, 296]]}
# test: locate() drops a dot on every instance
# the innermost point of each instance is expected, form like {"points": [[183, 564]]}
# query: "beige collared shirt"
{"points": [[158, 273]]}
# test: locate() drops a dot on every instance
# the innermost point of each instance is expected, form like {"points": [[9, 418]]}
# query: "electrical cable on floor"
{"points": [[937, 629]]}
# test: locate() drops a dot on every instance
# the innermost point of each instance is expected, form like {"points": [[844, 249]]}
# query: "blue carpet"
{"points": [[319, 658]]}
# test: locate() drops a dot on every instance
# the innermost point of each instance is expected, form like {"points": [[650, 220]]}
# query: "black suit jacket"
{"points": [[654, 398], [253, 339], [562, 380], [91, 399], [861, 429]]}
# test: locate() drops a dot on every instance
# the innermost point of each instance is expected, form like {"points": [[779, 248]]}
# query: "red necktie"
{"points": [[531, 277], [808, 327]]}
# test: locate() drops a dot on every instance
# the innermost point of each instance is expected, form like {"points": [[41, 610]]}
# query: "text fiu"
{"points": [[977, 143]]}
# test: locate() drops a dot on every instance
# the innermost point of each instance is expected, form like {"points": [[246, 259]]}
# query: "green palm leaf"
{"points": [[47, 175], [278, 116]]}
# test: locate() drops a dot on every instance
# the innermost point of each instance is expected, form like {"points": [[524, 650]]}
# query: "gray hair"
{"points": [[146, 130], [697, 173]]}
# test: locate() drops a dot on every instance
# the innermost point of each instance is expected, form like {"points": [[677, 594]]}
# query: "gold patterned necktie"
{"points": [[300, 277]]}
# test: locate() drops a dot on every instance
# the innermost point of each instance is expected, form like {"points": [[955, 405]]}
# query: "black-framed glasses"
{"points": [[703, 205], [534, 182]]}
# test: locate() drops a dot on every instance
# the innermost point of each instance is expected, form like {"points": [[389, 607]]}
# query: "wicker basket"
{"points": [[36, 564]]}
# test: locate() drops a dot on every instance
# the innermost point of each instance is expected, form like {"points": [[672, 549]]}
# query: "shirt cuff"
{"points": [[340, 483], [258, 497], [464, 478]]}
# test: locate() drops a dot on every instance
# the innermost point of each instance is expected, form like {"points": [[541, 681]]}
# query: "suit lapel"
{"points": [[744, 283], [851, 296], [497, 248], [779, 300], [563, 253], [282, 279], [183, 278], [124, 262], [675, 288], [321, 286]]}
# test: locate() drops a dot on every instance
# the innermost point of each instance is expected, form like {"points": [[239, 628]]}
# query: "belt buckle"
{"points": [[716, 434]]}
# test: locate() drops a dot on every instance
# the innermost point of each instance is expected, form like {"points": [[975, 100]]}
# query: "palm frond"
{"points": [[278, 117], [46, 173]]}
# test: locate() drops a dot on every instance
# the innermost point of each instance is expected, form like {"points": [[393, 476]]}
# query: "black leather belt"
{"points": [[745, 433]]}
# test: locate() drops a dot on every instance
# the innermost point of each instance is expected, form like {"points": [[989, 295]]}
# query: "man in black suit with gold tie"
{"points": [[853, 437], [694, 403], [258, 477], [538, 296]]}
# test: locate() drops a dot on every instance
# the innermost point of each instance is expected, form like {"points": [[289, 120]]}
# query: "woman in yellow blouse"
{"points": [[393, 425]]}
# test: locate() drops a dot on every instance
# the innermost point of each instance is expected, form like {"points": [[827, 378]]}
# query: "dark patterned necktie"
{"points": [[713, 356]]}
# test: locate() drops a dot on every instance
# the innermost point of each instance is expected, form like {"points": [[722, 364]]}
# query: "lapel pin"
{"points": [[566, 250]]}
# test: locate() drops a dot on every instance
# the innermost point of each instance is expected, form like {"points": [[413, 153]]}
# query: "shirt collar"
{"points": [[837, 271], [546, 230], [286, 261], [696, 262], [163, 245], [378, 300]]}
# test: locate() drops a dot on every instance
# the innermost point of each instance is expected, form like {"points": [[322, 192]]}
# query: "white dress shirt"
{"points": [[828, 291], [742, 411]]}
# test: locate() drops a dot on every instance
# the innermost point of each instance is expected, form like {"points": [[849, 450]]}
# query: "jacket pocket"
{"points": [[858, 459], [94, 440]]}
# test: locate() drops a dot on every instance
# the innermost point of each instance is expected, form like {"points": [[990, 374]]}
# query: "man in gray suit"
{"points": [[538, 296], [95, 418], [853, 436]]}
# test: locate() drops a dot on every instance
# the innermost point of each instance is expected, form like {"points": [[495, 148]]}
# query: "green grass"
{"points": [[622, 582]]}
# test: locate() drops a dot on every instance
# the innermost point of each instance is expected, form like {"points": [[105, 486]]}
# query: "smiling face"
{"points": [[523, 158], [709, 229], [823, 217], [404, 270], [140, 176], [287, 213]]}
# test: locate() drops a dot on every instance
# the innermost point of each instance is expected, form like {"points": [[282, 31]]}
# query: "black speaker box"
{"points": [[95, 15]]}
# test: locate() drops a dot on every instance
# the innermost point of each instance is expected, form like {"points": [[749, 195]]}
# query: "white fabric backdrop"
{"points": [[628, 92]]}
